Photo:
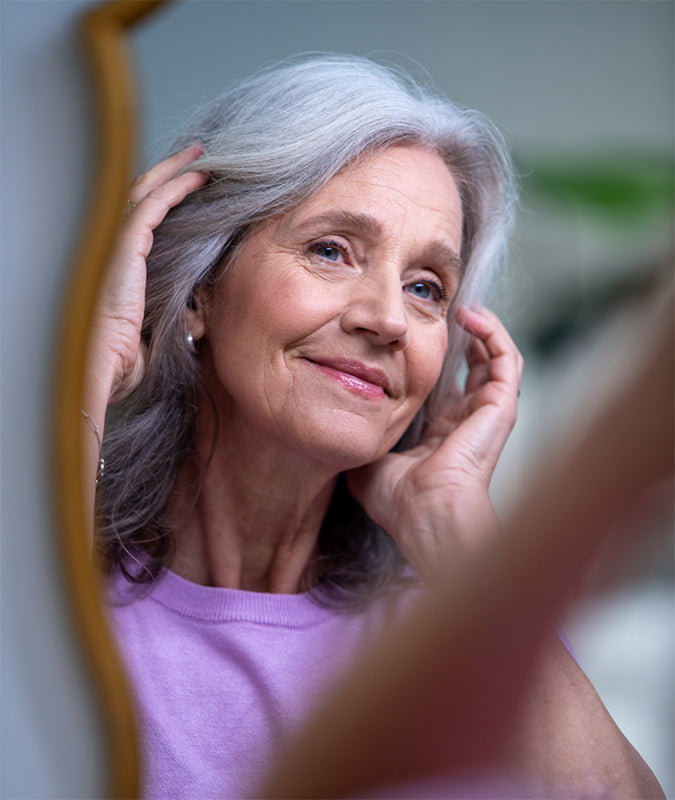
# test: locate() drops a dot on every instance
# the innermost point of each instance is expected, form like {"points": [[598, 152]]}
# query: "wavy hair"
{"points": [[272, 141]]}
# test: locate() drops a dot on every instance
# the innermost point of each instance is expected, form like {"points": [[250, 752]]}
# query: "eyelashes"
{"points": [[337, 252], [416, 288], [330, 250]]}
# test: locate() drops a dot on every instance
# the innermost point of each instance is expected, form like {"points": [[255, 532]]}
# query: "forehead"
{"points": [[404, 190]]}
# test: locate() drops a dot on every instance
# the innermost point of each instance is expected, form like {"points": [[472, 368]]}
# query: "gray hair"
{"points": [[271, 142]]}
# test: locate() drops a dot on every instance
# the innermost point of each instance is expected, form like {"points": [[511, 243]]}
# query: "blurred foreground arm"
{"points": [[470, 683]]}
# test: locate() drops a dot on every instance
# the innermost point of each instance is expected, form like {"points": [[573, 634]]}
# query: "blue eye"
{"points": [[425, 290], [328, 252]]}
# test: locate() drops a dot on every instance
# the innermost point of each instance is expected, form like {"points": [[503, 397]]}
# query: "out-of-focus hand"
{"points": [[434, 498]]}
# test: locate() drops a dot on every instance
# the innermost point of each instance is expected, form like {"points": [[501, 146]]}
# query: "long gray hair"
{"points": [[271, 142]]}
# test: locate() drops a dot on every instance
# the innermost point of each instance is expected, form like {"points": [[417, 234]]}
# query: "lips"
{"points": [[356, 375]]}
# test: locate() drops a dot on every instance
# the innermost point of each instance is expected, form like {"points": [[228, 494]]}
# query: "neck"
{"points": [[253, 520]]}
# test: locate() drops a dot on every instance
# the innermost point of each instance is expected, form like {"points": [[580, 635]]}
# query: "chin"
{"points": [[348, 445]]}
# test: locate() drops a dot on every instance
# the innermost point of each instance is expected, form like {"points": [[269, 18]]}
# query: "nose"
{"points": [[376, 309]]}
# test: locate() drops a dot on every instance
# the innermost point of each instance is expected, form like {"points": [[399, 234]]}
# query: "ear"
{"points": [[195, 315]]}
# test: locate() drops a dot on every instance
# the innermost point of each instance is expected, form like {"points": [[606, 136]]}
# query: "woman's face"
{"points": [[329, 329]]}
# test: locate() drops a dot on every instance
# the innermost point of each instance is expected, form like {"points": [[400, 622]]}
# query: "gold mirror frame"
{"points": [[104, 29]]}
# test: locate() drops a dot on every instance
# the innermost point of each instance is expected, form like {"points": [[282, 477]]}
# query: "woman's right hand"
{"points": [[117, 355]]}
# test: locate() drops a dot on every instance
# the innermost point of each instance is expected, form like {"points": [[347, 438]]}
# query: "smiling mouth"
{"points": [[353, 375]]}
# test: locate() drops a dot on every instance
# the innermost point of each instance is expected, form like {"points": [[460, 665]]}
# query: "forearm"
{"points": [[457, 672], [567, 745], [98, 389]]}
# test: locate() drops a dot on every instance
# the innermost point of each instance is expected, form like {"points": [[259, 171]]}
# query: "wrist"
{"points": [[434, 540], [111, 371], [466, 523]]}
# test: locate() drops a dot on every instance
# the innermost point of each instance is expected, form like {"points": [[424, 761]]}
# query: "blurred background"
{"points": [[583, 91]]}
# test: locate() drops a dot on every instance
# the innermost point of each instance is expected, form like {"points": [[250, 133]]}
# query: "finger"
{"points": [[492, 341], [495, 364], [136, 232], [164, 171], [476, 353], [155, 205], [488, 328]]}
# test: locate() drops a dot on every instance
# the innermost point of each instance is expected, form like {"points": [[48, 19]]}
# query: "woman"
{"points": [[286, 450]]}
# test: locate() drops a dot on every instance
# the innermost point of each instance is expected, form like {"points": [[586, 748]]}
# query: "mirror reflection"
{"points": [[300, 276]]}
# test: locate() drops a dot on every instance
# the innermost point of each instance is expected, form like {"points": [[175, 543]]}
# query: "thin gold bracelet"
{"points": [[93, 427]]}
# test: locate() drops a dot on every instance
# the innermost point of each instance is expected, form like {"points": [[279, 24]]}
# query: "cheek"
{"points": [[250, 312], [301, 306], [427, 360]]}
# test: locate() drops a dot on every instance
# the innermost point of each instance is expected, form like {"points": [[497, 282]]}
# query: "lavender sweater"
{"points": [[222, 677]]}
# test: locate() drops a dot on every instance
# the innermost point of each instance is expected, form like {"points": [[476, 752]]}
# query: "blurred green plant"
{"points": [[621, 187], [630, 194]]}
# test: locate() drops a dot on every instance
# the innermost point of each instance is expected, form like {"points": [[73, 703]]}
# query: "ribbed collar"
{"points": [[214, 604]]}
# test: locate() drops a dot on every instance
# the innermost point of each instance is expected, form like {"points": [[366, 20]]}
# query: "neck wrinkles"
{"points": [[255, 522]]}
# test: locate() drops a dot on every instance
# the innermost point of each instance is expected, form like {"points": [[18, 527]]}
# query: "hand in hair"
{"points": [[117, 352], [116, 358], [433, 499]]}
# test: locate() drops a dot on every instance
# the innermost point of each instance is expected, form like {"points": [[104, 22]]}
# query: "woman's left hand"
{"points": [[433, 499]]}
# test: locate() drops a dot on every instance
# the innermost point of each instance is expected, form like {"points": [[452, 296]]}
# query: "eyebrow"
{"points": [[438, 252], [340, 219], [371, 227]]}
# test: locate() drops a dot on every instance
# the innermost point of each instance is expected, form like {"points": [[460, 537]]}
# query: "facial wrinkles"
{"points": [[404, 202], [291, 306], [378, 224], [405, 199]]}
